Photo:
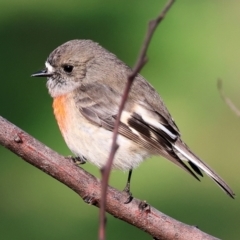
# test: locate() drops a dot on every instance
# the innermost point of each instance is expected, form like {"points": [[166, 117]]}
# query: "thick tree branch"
{"points": [[136, 213]]}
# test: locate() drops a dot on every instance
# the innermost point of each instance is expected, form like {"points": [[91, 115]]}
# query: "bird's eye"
{"points": [[68, 68]]}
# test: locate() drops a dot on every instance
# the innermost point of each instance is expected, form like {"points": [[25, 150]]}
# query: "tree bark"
{"points": [[136, 213]]}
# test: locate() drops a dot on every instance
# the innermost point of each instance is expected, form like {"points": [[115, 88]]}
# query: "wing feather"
{"points": [[144, 125], [93, 103]]}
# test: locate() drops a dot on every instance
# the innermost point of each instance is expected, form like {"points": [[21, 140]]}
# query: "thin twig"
{"points": [[227, 100], [142, 59], [150, 220]]}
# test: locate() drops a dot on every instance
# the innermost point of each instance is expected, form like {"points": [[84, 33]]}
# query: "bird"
{"points": [[86, 82]]}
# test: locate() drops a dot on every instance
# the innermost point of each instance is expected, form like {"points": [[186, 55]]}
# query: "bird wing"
{"points": [[99, 104], [152, 102], [144, 125]]}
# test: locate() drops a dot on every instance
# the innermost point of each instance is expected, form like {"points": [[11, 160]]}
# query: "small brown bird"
{"points": [[86, 83]]}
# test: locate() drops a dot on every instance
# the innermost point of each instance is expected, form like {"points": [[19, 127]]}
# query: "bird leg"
{"points": [[127, 188]]}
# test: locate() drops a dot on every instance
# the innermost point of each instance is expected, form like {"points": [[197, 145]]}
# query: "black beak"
{"points": [[42, 73]]}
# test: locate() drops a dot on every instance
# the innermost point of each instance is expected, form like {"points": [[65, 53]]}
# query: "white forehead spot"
{"points": [[49, 67]]}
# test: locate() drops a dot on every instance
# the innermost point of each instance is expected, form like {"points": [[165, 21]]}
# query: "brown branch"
{"points": [[141, 61], [227, 100], [136, 213]]}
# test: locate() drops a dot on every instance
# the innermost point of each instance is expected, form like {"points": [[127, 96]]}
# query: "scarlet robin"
{"points": [[86, 83]]}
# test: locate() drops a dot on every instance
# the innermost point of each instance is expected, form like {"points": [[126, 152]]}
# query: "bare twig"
{"points": [[227, 100], [146, 218], [142, 59]]}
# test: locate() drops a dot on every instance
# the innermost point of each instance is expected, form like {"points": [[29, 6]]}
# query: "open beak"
{"points": [[42, 73]]}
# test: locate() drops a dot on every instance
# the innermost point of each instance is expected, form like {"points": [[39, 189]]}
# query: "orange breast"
{"points": [[59, 108]]}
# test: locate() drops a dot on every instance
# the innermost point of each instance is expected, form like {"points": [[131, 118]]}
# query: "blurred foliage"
{"points": [[197, 43]]}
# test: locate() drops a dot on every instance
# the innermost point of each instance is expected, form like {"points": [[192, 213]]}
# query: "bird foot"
{"points": [[130, 196], [79, 160]]}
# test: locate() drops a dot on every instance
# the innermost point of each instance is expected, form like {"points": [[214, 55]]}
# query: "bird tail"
{"points": [[196, 163]]}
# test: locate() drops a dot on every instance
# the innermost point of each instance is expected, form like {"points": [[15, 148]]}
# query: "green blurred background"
{"points": [[197, 43]]}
